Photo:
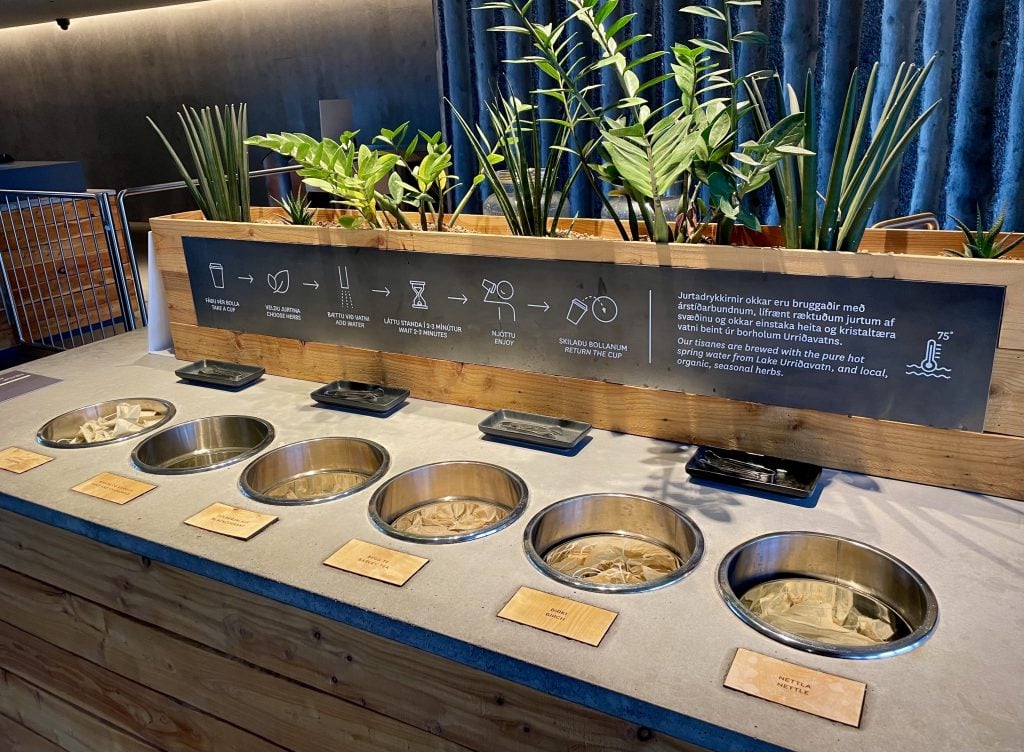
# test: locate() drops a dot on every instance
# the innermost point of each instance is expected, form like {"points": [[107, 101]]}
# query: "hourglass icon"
{"points": [[418, 300]]}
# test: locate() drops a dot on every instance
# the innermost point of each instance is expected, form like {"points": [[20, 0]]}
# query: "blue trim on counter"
{"points": [[541, 679]]}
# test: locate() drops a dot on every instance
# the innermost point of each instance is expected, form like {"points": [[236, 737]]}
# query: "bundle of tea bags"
{"points": [[128, 419], [317, 486], [449, 517], [819, 611], [613, 559]]}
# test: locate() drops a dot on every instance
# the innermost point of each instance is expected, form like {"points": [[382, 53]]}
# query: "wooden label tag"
{"points": [[558, 615], [376, 562], [797, 687], [232, 521], [113, 488], [20, 461]]}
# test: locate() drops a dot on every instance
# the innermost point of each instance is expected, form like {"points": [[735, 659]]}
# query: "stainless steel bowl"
{"points": [[873, 574], [66, 426], [204, 444], [448, 482], [314, 471], [632, 517]]}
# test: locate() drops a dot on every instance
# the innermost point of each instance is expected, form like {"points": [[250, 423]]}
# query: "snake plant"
{"points": [[538, 190], [217, 146], [862, 163]]}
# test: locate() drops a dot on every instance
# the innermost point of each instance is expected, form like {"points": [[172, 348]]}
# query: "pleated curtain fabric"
{"points": [[970, 152]]}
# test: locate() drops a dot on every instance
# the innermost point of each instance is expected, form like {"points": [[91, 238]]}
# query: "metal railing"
{"points": [[175, 186], [62, 269]]}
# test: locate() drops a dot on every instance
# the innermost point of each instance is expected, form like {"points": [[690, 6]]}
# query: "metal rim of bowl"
{"points": [[252, 493], [514, 514], [171, 410], [691, 563], [884, 650], [156, 470]]}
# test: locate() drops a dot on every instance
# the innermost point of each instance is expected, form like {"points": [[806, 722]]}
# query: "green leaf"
{"points": [[701, 10], [711, 44], [754, 37]]}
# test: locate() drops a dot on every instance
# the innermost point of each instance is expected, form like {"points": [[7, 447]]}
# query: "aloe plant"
{"points": [[985, 243], [296, 207], [216, 143], [648, 150], [539, 192], [861, 165]]}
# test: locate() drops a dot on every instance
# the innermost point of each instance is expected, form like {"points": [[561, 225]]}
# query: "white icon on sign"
{"points": [[929, 365], [217, 272], [346, 294], [500, 293], [418, 300], [602, 308], [279, 282]]}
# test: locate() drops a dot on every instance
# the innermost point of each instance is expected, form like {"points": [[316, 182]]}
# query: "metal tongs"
{"points": [[219, 372], [357, 395], [740, 468], [533, 429]]}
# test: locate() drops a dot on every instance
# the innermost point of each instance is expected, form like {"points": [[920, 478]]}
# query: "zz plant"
{"points": [[369, 181], [647, 150]]}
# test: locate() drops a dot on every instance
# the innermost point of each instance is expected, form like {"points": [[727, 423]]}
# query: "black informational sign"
{"points": [[917, 352]]}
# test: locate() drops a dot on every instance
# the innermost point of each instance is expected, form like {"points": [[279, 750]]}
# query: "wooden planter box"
{"points": [[991, 461]]}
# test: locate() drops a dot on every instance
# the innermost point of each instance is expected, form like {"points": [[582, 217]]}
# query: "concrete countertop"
{"points": [[663, 662]]}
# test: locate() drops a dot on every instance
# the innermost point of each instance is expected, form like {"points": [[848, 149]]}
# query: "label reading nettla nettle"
{"points": [[917, 352]]}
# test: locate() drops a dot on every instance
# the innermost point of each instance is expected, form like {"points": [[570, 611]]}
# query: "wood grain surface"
{"points": [[280, 677], [831, 440]]}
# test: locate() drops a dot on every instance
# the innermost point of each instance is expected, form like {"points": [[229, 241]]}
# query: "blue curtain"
{"points": [[970, 152]]}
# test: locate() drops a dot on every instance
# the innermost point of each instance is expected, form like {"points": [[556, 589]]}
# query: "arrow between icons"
{"points": [[463, 298], [534, 305], [249, 278], [314, 284], [385, 292]]}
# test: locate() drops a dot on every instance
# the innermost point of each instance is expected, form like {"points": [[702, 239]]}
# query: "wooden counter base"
{"points": [[101, 649]]}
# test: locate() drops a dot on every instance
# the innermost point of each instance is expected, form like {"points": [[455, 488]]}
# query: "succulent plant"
{"points": [[296, 206], [985, 243]]}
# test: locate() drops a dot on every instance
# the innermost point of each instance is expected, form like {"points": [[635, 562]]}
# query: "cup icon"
{"points": [[217, 272], [577, 310]]}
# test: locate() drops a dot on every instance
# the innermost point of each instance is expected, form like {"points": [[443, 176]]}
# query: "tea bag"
{"points": [[128, 419], [613, 560], [317, 486], [819, 611], [448, 517]]}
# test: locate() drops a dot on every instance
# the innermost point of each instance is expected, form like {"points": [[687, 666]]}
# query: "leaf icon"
{"points": [[279, 282]]}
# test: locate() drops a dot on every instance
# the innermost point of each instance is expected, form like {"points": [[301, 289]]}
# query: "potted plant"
{"points": [[639, 151]]}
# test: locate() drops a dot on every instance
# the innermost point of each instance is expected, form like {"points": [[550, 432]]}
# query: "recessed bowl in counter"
{"points": [[462, 500], [863, 592], [203, 444], [314, 471], [613, 543], [56, 432]]}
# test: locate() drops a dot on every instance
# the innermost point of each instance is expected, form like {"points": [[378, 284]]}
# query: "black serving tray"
{"points": [[534, 429], [755, 471], [360, 396], [220, 373]]}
